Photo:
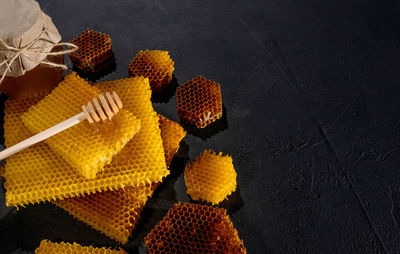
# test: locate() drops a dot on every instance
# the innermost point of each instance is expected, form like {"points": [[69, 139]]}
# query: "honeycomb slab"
{"points": [[211, 177], [114, 213], [38, 174], [86, 147], [94, 51], [144, 154], [192, 228], [199, 102], [156, 65], [48, 247], [172, 134]]}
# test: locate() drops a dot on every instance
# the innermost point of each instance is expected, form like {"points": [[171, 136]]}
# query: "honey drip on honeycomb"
{"points": [[199, 102], [116, 213], [192, 228], [156, 65], [211, 177], [38, 174], [86, 147], [172, 134], [94, 50], [48, 247]]}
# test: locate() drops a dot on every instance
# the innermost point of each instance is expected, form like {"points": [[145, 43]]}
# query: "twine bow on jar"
{"points": [[30, 50]]}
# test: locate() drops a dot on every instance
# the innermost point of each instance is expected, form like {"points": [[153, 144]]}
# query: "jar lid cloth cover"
{"points": [[27, 37]]}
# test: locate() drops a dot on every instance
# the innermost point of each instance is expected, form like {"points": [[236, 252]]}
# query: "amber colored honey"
{"points": [[199, 102], [41, 79], [156, 65], [192, 228], [94, 49]]}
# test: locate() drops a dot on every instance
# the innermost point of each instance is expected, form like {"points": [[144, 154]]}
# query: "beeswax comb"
{"points": [[116, 213], [38, 174], [48, 247], [102, 111], [86, 147]]}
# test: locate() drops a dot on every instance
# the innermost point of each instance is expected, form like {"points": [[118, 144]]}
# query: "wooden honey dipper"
{"points": [[97, 111]]}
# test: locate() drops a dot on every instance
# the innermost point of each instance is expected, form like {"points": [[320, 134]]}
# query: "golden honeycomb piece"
{"points": [[172, 134], [48, 247], [211, 177], [94, 50], [86, 147], [114, 213], [144, 154], [156, 65], [193, 228], [38, 174], [199, 102]]}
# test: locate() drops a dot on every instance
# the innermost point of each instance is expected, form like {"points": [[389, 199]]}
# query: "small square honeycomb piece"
{"points": [[114, 213], [211, 177], [192, 228], [86, 147], [94, 49], [48, 247], [172, 134], [38, 174], [156, 65], [199, 102]]}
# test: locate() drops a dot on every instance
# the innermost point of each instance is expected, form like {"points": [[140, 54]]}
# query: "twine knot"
{"points": [[30, 50]]}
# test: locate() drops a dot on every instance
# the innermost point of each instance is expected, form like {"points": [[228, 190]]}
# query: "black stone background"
{"points": [[311, 96]]}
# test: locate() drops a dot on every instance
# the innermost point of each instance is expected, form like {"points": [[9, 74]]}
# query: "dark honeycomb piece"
{"points": [[199, 102], [94, 53], [156, 65], [192, 228]]}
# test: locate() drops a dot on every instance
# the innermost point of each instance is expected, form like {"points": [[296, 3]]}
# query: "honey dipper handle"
{"points": [[42, 135]]}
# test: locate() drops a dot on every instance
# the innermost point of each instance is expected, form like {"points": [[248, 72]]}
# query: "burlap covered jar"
{"points": [[31, 55]]}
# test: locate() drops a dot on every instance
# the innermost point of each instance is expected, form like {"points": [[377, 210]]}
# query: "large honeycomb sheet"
{"points": [[172, 134], [86, 147], [156, 65], [144, 154], [199, 102], [211, 177], [116, 213], [94, 49], [38, 174], [48, 247], [192, 228]]}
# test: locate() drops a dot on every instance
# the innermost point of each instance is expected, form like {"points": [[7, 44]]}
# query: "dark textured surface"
{"points": [[310, 92]]}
